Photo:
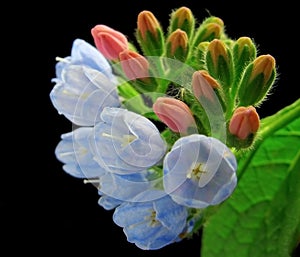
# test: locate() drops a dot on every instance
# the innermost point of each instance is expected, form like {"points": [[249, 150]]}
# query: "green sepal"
{"points": [[180, 53], [202, 34], [243, 54], [170, 137], [126, 91], [133, 100], [253, 92], [152, 46], [199, 113], [240, 144], [223, 71], [187, 26], [197, 57]]}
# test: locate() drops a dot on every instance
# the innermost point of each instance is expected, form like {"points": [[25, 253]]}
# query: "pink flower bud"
{"points": [[108, 41], [134, 65], [175, 114], [203, 85], [244, 121]]}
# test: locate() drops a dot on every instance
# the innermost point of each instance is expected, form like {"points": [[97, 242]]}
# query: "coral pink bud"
{"points": [[203, 85], [175, 114], [108, 41], [244, 122], [134, 65]]}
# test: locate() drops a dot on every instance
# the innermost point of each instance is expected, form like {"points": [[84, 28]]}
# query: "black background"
{"points": [[44, 210]]}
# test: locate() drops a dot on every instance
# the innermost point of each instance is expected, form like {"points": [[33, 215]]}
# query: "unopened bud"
{"points": [[183, 19], [108, 41], [213, 19], [219, 62], [244, 122], [149, 34], [134, 65], [198, 55], [203, 85], [257, 80], [244, 51], [175, 114], [211, 28], [177, 45]]}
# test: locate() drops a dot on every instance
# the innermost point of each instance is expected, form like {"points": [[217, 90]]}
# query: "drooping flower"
{"points": [[74, 151], [126, 142], [127, 187], [84, 85], [151, 225], [82, 93], [199, 171], [83, 53]]}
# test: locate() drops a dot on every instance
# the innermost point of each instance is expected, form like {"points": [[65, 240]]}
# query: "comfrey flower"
{"points": [[199, 171], [115, 189], [151, 224], [83, 53], [84, 85], [74, 151], [126, 142], [127, 187]]}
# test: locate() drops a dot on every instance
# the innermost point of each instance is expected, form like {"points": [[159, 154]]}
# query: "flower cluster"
{"points": [[156, 129]]}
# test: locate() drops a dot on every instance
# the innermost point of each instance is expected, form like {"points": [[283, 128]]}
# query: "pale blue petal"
{"points": [[74, 151], [123, 187], [218, 164], [82, 93], [168, 211], [127, 142], [84, 53], [131, 214], [108, 203], [151, 225]]}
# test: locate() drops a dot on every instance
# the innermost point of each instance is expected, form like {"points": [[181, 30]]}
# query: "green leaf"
{"points": [[287, 205], [262, 216]]}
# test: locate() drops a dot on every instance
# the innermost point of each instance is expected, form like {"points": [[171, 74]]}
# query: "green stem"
{"points": [[159, 71], [269, 125]]}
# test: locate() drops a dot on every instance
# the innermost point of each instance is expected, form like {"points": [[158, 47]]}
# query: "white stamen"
{"points": [[87, 181], [66, 154], [60, 59], [125, 140]]}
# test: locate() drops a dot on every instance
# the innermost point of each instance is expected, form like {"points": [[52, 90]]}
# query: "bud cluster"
{"points": [[231, 68]]}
